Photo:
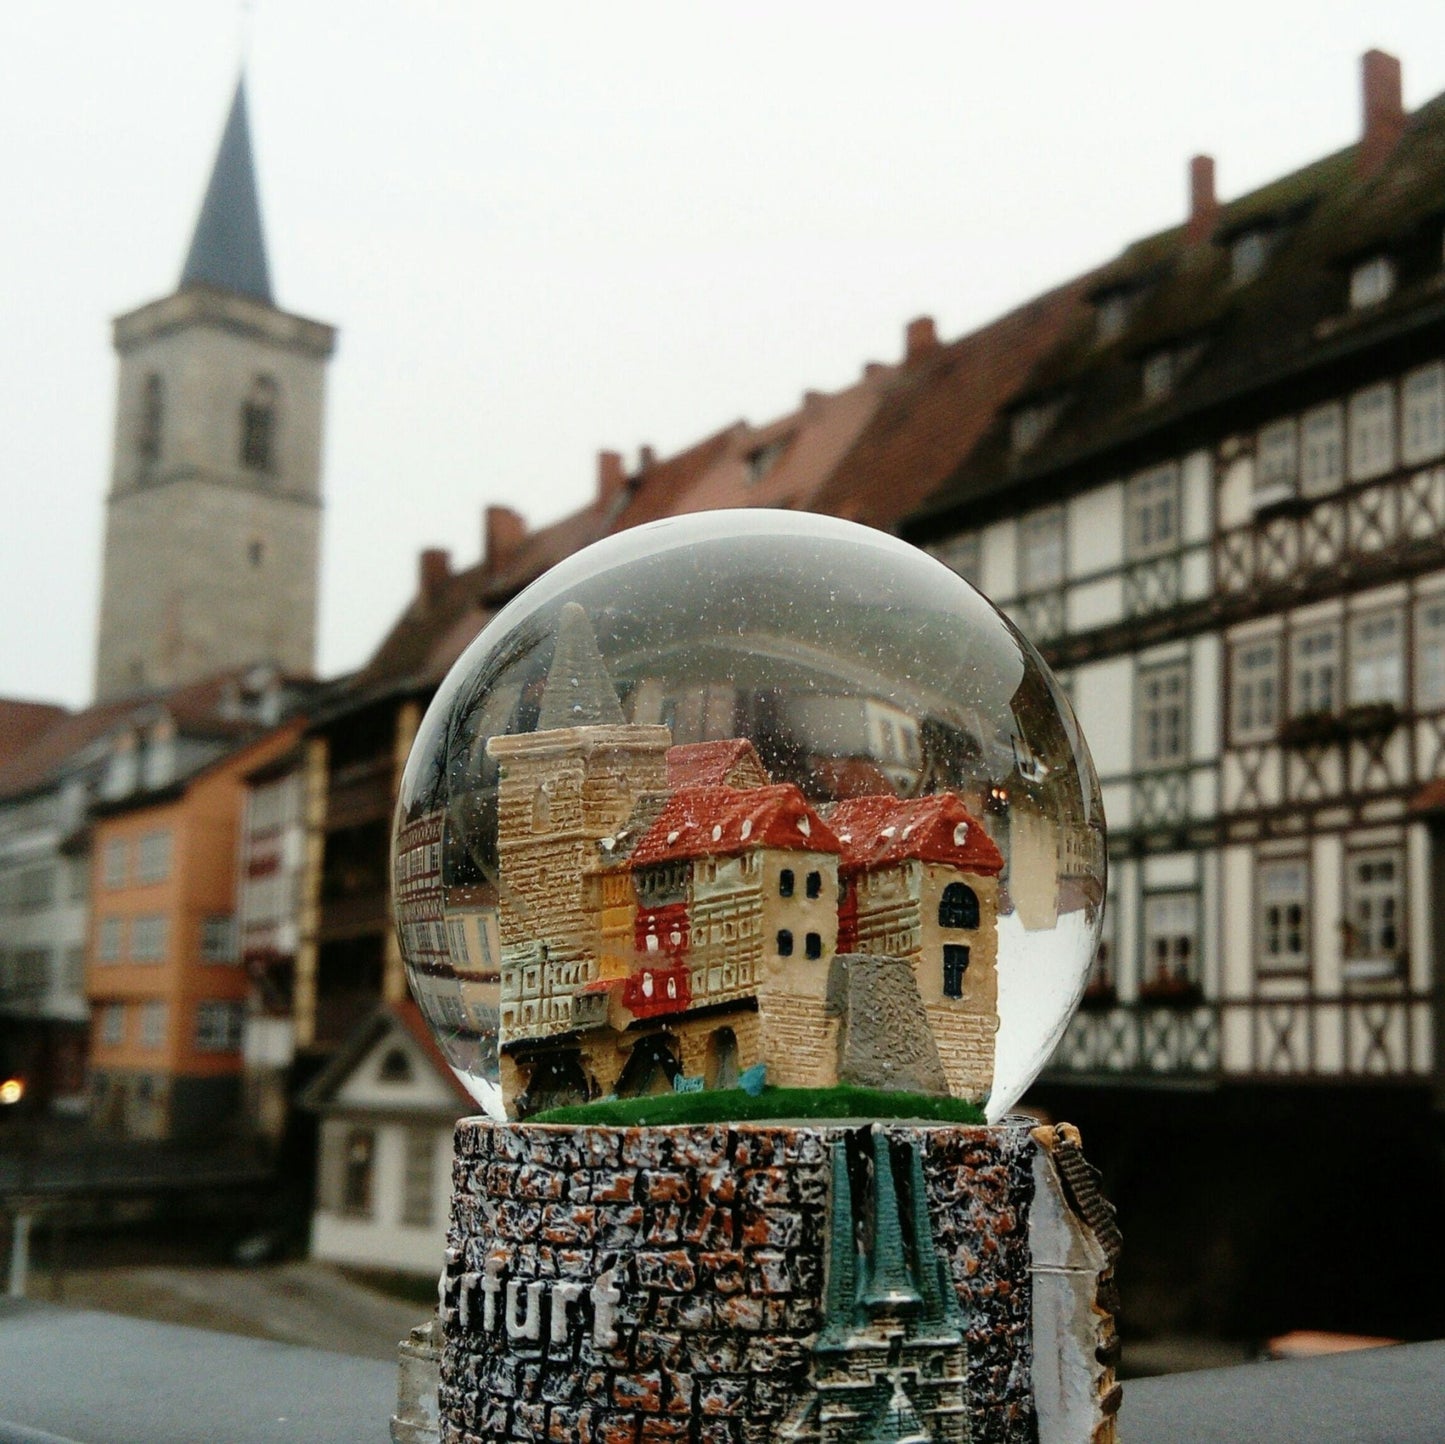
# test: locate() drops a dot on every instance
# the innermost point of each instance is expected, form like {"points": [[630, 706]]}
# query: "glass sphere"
{"points": [[746, 800]]}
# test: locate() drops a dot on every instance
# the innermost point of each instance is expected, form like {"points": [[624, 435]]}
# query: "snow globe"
{"points": [[748, 866]]}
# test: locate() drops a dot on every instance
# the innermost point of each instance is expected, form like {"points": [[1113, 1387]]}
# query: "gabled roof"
{"points": [[228, 249], [404, 1017], [714, 764], [882, 831], [726, 821], [21, 723]]}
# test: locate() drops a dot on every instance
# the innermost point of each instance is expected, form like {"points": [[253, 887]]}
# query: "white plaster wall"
{"points": [[1104, 703], [1205, 693], [1118, 800], [1094, 530], [1236, 493], [1210, 951], [1000, 561], [1417, 895], [1094, 604], [1126, 929], [1197, 580], [1172, 869], [1326, 861], [1237, 930], [1196, 482], [365, 1088]]}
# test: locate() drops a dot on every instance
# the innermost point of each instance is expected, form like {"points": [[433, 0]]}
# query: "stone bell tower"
{"points": [[214, 514]]}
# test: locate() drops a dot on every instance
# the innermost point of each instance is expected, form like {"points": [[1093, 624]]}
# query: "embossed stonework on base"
{"points": [[745, 1283]]}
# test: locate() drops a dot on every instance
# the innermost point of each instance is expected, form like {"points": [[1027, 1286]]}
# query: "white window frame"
{"points": [[1372, 431], [1430, 653], [113, 862], [220, 1025], [1371, 282], [149, 937], [153, 856], [1171, 939], [1043, 550], [1422, 414], [1375, 914], [1282, 922], [1276, 469], [1254, 683], [1377, 659], [1161, 713], [1153, 508], [1322, 449], [1314, 670]]}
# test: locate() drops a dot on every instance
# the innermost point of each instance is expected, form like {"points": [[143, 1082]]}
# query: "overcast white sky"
{"points": [[545, 230]]}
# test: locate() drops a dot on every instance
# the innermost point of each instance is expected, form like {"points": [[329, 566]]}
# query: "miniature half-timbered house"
{"points": [[667, 918]]}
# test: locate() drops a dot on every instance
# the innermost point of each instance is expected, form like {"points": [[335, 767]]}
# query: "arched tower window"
{"points": [[958, 907], [258, 426], [152, 419]]}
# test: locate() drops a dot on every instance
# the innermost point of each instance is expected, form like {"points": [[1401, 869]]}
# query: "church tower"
{"points": [[214, 514]]}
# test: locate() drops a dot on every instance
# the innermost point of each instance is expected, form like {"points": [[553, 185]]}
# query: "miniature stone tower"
{"points": [[213, 519]]}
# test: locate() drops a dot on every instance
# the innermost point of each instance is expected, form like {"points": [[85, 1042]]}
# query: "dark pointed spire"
{"points": [[579, 693], [891, 1289], [841, 1302], [228, 249]]}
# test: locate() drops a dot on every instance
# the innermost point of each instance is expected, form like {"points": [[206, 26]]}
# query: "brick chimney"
{"points": [[504, 531], [1384, 110], [1203, 203], [872, 369], [611, 476], [646, 458], [434, 571], [919, 338]]}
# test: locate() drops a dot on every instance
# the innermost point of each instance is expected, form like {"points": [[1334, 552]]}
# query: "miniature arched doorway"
{"points": [[556, 1081], [722, 1059], [958, 907], [650, 1067]]}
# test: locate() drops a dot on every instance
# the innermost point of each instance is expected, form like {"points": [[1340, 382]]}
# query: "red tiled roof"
{"points": [[22, 722], [724, 821], [879, 831], [708, 764], [408, 1015], [36, 764]]}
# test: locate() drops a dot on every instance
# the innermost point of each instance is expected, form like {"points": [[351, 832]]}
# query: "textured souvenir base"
{"points": [[750, 1282]]}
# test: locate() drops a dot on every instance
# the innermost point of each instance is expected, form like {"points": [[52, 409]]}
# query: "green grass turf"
{"points": [[732, 1105]]}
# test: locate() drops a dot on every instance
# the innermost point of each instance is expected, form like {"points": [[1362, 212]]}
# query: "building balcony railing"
{"points": [[1140, 1041]]}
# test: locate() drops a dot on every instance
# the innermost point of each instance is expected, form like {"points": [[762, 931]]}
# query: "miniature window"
{"points": [[785, 942], [113, 863], [785, 882], [1247, 257], [153, 856], [110, 940], [1041, 550], [153, 1025], [1322, 464], [1371, 282], [1377, 662], [358, 1161], [963, 555], [1372, 432], [218, 939], [1283, 926], [1111, 316], [958, 907], [152, 419], [1423, 402], [1314, 672], [1277, 463], [813, 945], [148, 938], [1158, 375], [814, 887], [1152, 501], [1374, 911], [219, 1026], [112, 1024], [1430, 653], [1256, 690], [1171, 922], [258, 426], [1162, 716], [395, 1066], [418, 1181], [955, 965]]}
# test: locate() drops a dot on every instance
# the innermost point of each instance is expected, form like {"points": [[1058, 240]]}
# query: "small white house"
{"points": [[388, 1104]]}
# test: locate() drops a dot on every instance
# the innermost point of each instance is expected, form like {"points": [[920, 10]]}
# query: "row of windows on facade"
{"points": [[1371, 925], [25, 973], [1305, 455], [1326, 666], [149, 934], [218, 1025], [28, 889], [256, 438], [152, 859]]}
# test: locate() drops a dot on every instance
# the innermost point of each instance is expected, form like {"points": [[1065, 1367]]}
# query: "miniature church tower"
{"points": [[214, 514]]}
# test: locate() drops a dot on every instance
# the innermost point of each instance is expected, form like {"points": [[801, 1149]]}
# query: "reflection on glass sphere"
{"points": [[748, 800]]}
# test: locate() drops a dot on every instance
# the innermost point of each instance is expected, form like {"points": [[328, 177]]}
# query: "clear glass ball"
{"points": [[742, 800]]}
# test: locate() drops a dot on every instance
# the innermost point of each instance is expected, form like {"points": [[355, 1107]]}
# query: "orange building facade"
{"points": [[164, 973]]}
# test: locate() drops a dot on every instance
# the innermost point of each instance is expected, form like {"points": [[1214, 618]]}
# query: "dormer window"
{"points": [[1030, 424], [258, 426], [1158, 377], [1247, 256], [762, 460], [1111, 316], [1371, 282]]}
